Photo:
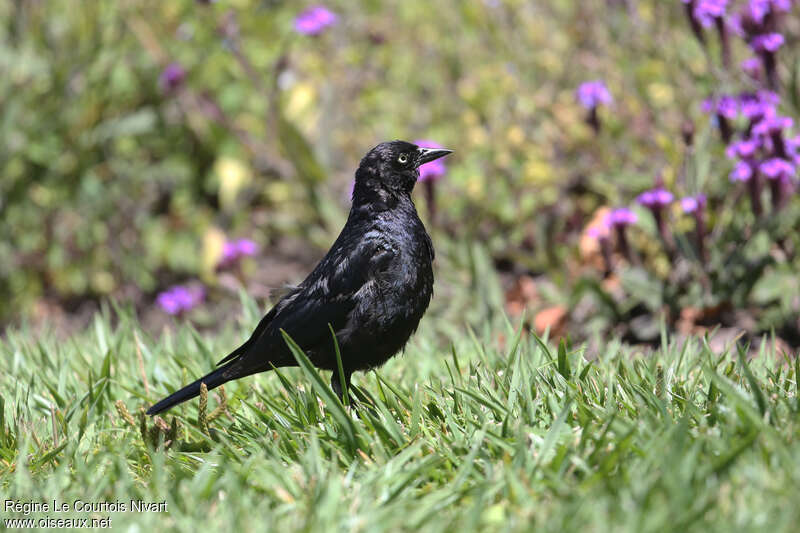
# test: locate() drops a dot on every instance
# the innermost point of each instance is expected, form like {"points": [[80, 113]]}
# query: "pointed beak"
{"points": [[426, 155]]}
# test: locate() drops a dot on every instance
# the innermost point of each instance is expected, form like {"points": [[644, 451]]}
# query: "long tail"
{"points": [[212, 381]]}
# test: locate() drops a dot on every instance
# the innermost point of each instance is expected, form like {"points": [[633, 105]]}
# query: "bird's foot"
{"points": [[343, 394], [362, 403]]}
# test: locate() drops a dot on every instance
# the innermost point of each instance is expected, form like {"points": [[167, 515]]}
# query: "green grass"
{"points": [[492, 430]]}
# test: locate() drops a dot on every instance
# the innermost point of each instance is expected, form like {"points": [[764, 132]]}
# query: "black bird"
{"points": [[372, 287]]}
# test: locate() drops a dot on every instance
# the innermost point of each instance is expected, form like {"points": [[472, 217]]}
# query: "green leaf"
{"points": [[340, 367], [751, 380], [333, 403], [563, 360], [643, 286]]}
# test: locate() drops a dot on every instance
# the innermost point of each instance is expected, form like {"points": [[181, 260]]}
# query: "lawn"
{"points": [[493, 429], [613, 341]]}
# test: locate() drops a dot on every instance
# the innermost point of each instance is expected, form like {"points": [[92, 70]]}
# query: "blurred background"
{"points": [[170, 155]]}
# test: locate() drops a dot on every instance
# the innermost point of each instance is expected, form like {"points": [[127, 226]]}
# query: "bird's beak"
{"points": [[426, 155]]}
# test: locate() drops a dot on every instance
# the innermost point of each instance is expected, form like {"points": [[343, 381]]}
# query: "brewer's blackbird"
{"points": [[372, 287]]}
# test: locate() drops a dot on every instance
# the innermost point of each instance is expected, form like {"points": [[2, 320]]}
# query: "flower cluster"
{"points": [[314, 20], [621, 217], [763, 150], [693, 204], [656, 200], [172, 77], [180, 299], [616, 220], [232, 251], [756, 22], [707, 13], [593, 93], [183, 298]]}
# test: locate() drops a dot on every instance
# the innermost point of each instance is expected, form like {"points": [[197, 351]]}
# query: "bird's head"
{"points": [[393, 167]]}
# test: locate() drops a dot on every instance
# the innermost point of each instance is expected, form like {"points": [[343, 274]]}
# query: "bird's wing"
{"points": [[326, 297]]}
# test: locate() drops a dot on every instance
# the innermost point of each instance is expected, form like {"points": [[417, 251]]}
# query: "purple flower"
{"points": [[707, 10], [180, 298], [743, 149], [772, 125], [728, 107], [597, 232], [756, 106], [232, 251], [755, 109], [655, 198], [690, 204], [741, 172], [314, 20], [229, 252], [435, 169], [781, 5], [769, 97], [757, 10], [622, 216], [777, 169], [172, 77], [768, 42], [247, 247], [593, 93]]}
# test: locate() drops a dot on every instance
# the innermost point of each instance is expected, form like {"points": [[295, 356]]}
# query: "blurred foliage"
{"points": [[113, 184]]}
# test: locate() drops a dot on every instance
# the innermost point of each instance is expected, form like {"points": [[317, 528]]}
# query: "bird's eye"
{"points": [[403, 159]]}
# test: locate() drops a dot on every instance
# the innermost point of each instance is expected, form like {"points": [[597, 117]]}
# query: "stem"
{"points": [[754, 188], [605, 249], [771, 69], [724, 128], [697, 29], [663, 231], [724, 42], [778, 145], [622, 242], [593, 119], [430, 198], [776, 193], [700, 234]]}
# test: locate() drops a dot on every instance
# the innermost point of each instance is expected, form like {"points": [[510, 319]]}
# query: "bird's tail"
{"points": [[212, 381]]}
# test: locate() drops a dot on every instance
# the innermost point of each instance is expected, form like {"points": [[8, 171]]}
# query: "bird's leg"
{"points": [[336, 385], [354, 402]]}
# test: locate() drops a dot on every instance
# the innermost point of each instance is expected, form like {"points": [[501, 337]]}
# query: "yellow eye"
{"points": [[403, 159]]}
